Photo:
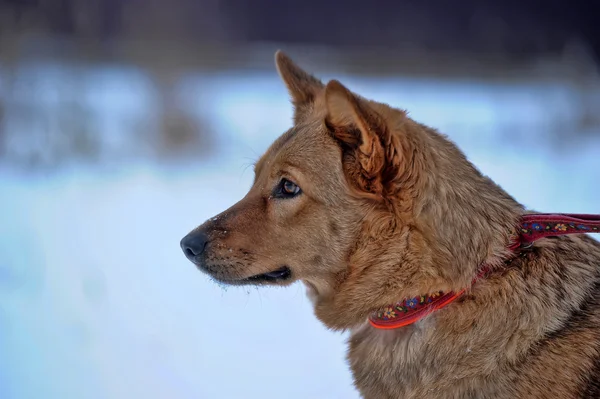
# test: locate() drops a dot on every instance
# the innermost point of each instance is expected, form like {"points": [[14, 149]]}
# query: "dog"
{"points": [[401, 241]]}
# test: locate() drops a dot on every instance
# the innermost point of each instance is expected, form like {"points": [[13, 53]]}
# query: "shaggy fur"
{"points": [[388, 209]]}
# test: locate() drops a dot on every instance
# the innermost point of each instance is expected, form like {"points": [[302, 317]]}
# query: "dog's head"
{"points": [[343, 201]]}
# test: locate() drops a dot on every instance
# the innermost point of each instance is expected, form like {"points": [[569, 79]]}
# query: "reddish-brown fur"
{"points": [[391, 209]]}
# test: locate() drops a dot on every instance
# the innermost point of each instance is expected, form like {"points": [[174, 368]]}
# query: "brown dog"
{"points": [[367, 207]]}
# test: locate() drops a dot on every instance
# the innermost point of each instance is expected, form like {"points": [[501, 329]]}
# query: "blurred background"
{"points": [[126, 123]]}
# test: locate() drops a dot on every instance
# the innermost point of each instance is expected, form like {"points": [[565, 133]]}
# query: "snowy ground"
{"points": [[97, 300]]}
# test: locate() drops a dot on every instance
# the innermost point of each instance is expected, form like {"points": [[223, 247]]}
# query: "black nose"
{"points": [[193, 244]]}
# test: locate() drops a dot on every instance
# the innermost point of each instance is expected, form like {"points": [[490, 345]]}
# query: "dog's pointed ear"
{"points": [[363, 135], [302, 86]]}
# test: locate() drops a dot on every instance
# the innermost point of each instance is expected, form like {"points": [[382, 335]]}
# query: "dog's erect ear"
{"points": [[363, 136], [301, 85]]}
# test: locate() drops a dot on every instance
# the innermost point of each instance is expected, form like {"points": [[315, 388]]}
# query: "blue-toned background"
{"points": [[107, 161]]}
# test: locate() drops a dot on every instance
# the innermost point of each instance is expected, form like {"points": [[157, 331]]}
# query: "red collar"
{"points": [[533, 227]]}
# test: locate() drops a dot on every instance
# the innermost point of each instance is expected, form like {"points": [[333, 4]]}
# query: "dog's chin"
{"points": [[276, 277]]}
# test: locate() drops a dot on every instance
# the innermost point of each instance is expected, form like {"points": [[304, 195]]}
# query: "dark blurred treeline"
{"points": [[515, 28], [511, 40]]}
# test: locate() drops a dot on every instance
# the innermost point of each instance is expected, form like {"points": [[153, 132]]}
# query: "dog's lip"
{"points": [[281, 274]]}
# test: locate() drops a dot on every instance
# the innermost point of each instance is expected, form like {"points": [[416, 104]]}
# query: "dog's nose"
{"points": [[193, 245]]}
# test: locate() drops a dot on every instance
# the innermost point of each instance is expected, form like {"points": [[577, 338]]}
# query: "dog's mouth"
{"points": [[281, 274], [276, 276]]}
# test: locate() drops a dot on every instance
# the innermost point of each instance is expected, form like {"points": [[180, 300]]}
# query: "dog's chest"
{"points": [[405, 363]]}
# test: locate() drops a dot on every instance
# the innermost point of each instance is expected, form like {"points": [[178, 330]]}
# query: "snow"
{"points": [[97, 300]]}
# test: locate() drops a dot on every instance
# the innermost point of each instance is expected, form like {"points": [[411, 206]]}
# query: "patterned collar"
{"points": [[533, 227]]}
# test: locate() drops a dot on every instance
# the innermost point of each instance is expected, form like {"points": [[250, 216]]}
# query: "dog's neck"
{"points": [[532, 228], [471, 220]]}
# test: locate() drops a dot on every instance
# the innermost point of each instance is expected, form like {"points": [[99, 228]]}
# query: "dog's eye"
{"points": [[287, 189]]}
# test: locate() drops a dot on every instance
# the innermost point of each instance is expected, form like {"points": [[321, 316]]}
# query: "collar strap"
{"points": [[532, 228]]}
